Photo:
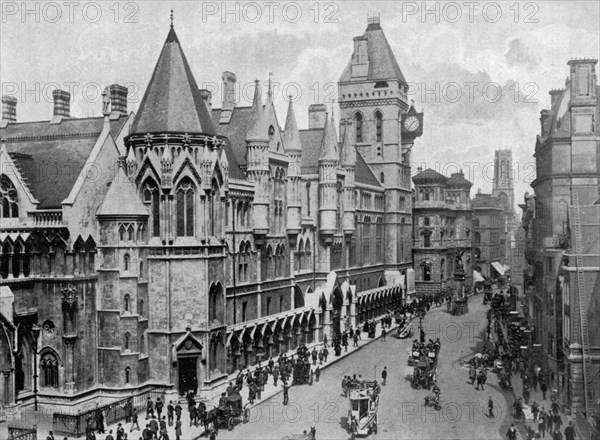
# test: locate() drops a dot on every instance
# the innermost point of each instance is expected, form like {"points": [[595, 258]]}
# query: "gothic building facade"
{"points": [[187, 242]]}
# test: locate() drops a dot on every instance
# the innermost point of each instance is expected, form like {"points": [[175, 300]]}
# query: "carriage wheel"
{"points": [[246, 417], [230, 423]]}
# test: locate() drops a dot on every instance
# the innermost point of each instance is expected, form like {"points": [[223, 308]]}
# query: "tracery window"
{"points": [[49, 366], [9, 207], [152, 196], [185, 208]]}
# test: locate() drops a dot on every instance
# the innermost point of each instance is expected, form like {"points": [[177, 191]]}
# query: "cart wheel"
{"points": [[246, 417], [230, 424]]}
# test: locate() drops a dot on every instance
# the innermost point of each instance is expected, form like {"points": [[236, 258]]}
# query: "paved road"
{"points": [[401, 413]]}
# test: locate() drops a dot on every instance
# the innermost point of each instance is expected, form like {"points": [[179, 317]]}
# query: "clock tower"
{"points": [[373, 93]]}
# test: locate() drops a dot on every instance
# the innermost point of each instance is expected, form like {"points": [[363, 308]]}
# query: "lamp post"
{"points": [[35, 332], [420, 315]]}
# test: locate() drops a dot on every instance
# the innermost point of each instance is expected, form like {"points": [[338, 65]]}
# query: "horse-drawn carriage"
{"points": [[230, 412], [301, 373], [405, 329], [364, 402], [424, 368]]}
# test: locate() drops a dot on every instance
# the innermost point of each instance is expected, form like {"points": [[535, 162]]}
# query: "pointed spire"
{"points": [[348, 149], [130, 155], [256, 128], [167, 156], [291, 134], [122, 198], [270, 88], [329, 142], [171, 18]]}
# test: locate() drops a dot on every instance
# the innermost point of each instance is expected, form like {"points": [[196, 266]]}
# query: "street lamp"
{"points": [[35, 331]]}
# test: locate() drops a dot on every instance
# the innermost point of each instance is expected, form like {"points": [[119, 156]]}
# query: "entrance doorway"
{"points": [[187, 374]]}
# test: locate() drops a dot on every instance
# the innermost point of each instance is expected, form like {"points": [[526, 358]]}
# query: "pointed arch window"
{"points": [[9, 207], [152, 197], [126, 262], [358, 122], [49, 366], [127, 374], [127, 302], [213, 208], [379, 126], [186, 208], [127, 341]]}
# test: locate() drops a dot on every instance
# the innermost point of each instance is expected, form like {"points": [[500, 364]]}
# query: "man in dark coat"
{"points": [[153, 427], [570, 432], [384, 374], [170, 411], [159, 407]]}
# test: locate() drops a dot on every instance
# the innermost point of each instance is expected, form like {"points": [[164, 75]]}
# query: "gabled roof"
{"points": [[172, 101], [363, 173], [121, 198], [235, 132], [382, 62], [51, 156], [429, 176]]}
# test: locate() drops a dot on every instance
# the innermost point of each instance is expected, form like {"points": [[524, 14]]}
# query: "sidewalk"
{"points": [[192, 432]]}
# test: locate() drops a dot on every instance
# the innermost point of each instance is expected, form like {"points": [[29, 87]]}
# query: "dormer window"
{"points": [[271, 132]]}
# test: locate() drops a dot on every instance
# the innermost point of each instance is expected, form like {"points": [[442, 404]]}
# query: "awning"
{"points": [[499, 267], [477, 277]]}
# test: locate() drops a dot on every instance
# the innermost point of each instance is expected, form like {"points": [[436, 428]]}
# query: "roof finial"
{"points": [[171, 18], [270, 88]]}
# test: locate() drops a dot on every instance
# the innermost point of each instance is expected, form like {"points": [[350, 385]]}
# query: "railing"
{"points": [[47, 217], [15, 433], [77, 425]]}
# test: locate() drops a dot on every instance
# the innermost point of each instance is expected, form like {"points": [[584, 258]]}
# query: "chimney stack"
{"points": [[62, 105], [9, 108], [118, 101], [419, 170], [207, 98], [229, 80], [317, 114]]}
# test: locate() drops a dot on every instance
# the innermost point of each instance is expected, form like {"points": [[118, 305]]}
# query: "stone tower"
{"points": [[503, 180], [372, 94]]}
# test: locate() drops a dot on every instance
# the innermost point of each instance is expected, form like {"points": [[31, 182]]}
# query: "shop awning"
{"points": [[477, 277], [499, 267]]}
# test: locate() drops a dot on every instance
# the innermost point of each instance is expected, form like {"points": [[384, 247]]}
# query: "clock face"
{"points": [[411, 123]]}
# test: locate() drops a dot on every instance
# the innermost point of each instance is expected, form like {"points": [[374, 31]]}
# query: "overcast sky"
{"points": [[489, 66]]}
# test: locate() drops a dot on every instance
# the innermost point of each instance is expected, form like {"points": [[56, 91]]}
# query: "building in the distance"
{"points": [[503, 190], [442, 230], [488, 231], [563, 225], [172, 247]]}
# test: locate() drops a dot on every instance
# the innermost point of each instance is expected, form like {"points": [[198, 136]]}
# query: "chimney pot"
{"points": [[207, 98], [317, 114], [9, 108], [229, 80], [118, 100], [62, 104]]}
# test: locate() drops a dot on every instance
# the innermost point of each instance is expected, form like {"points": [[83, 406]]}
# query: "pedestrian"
{"points": [[535, 410], [557, 435], [490, 408], [318, 373], [472, 373], [526, 395], [178, 410], [170, 410], [512, 432], [325, 341], [120, 432], [128, 410], [355, 340], [50, 436], [192, 411], [164, 435], [162, 424], [570, 431], [544, 388], [384, 374], [213, 434], [153, 427], [383, 333], [321, 355], [149, 408], [480, 380], [159, 407], [109, 436], [325, 354], [286, 397], [178, 430], [275, 375], [314, 356], [542, 423], [134, 420], [146, 433], [100, 422]]}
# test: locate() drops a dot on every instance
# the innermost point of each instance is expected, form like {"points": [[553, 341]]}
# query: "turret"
{"points": [[328, 164], [292, 145], [257, 143], [349, 166]]}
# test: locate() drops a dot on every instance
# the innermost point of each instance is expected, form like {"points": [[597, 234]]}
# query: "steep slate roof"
{"points": [[51, 156], [172, 102], [311, 144], [382, 62], [291, 136], [121, 198], [429, 175], [235, 131], [458, 179], [329, 142]]}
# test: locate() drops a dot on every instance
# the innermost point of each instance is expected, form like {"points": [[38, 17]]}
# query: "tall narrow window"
{"points": [[308, 198], [49, 366], [185, 208], [379, 126], [126, 261], [127, 374], [152, 196], [244, 306], [8, 198], [426, 272], [126, 302], [358, 120], [127, 341], [426, 240], [268, 306]]}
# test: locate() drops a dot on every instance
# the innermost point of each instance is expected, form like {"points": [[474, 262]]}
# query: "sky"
{"points": [[481, 71]]}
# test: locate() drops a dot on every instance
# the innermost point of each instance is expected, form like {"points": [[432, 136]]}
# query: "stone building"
{"points": [[503, 190], [442, 230], [184, 242], [565, 306], [488, 232]]}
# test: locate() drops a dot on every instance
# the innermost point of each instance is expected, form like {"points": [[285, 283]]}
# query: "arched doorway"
{"points": [[188, 350]]}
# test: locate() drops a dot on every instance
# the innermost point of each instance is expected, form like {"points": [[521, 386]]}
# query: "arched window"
{"points": [[141, 310], [142, 344], [122, 233], [49, 366], [427, 240], [130, 233], [141, 268], [308, 198], [426, 221], [152, 197], [127, 341], [9, 206], [426, 272], [126, 262], [185, 208], [127, 374], [382, 177], [271, 132], [213, 207], [379, 126], [126, 302], [358, 121], [475, 222], [477, 238], [215, 298]]}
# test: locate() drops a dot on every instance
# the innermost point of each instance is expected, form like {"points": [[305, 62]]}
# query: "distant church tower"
{"points": [[503, 187]]}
